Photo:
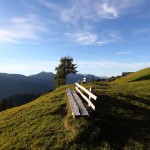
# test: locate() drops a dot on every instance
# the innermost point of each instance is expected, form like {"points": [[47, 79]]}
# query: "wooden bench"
{"points": [[75, 102]]}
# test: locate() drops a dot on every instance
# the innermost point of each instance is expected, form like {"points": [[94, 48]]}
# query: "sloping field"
{"points": [[40, 124], [121, 121], [143, 74]]}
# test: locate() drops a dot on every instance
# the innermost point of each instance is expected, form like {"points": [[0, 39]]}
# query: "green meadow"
{"points": [[140, 75], [121, 119]]}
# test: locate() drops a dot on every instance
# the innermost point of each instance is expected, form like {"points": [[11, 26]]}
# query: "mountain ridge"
{"points": [[11, 84]]}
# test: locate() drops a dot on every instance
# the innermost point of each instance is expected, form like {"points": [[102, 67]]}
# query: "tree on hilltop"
{"points": [[65, 67]]}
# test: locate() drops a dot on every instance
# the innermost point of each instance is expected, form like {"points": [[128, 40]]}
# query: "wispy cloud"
{"points": [[107, 64], [77, 15], [87, 9], [72, 17], [83, 38], [29, 67], [110, 10], [73, 11], [90, 38], [19, 29]]}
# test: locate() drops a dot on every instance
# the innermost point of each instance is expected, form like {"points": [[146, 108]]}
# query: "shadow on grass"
{"points": [[115, 122], [62, 110], [141, 100], [101, 85]]}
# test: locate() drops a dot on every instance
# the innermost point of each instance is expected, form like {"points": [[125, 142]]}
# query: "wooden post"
{"points": [[90, 91], [89, 95]]}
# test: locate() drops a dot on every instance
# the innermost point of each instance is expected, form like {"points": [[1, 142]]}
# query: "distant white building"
{"points": [[84, 80]]}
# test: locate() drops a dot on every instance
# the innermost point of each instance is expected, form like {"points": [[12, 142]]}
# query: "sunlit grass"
{"points": [[121, 120], [141, 75]]}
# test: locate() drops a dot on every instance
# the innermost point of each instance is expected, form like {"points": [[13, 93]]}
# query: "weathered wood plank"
{"points": [[86, 91], [89, 102], [73, 105], [82, 109]]}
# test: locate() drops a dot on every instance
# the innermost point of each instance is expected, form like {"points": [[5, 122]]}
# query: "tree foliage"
{"points": [[5, 104], [65, 67]]}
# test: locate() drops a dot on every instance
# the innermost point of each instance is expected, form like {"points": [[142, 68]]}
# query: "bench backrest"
{"points": [[89, 93]]}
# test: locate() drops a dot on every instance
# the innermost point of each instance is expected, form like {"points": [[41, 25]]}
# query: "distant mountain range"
{"points": [[11, 84]]}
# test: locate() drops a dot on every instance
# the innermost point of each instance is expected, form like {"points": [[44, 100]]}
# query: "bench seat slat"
{"points": [[73, 105], [82, 109]]}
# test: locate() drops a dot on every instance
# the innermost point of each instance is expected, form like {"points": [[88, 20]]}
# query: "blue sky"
{"points": [[105, 37]]}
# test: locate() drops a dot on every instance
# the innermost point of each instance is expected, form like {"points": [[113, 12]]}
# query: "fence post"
{"points": [[89, 95]]}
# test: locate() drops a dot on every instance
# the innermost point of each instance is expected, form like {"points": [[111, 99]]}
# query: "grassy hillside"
{"points": [[121, 121], [143, 74]]}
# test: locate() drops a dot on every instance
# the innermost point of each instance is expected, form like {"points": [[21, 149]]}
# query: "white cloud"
{"points": [[98, 66], [83, 38], [29, 67], [77, 15], [110, 10], [106, 64], [19, 29], [73, 16], [7, 36], [87, 9], [73, 11], [107, 12], [91, 38], [14, 36]]}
